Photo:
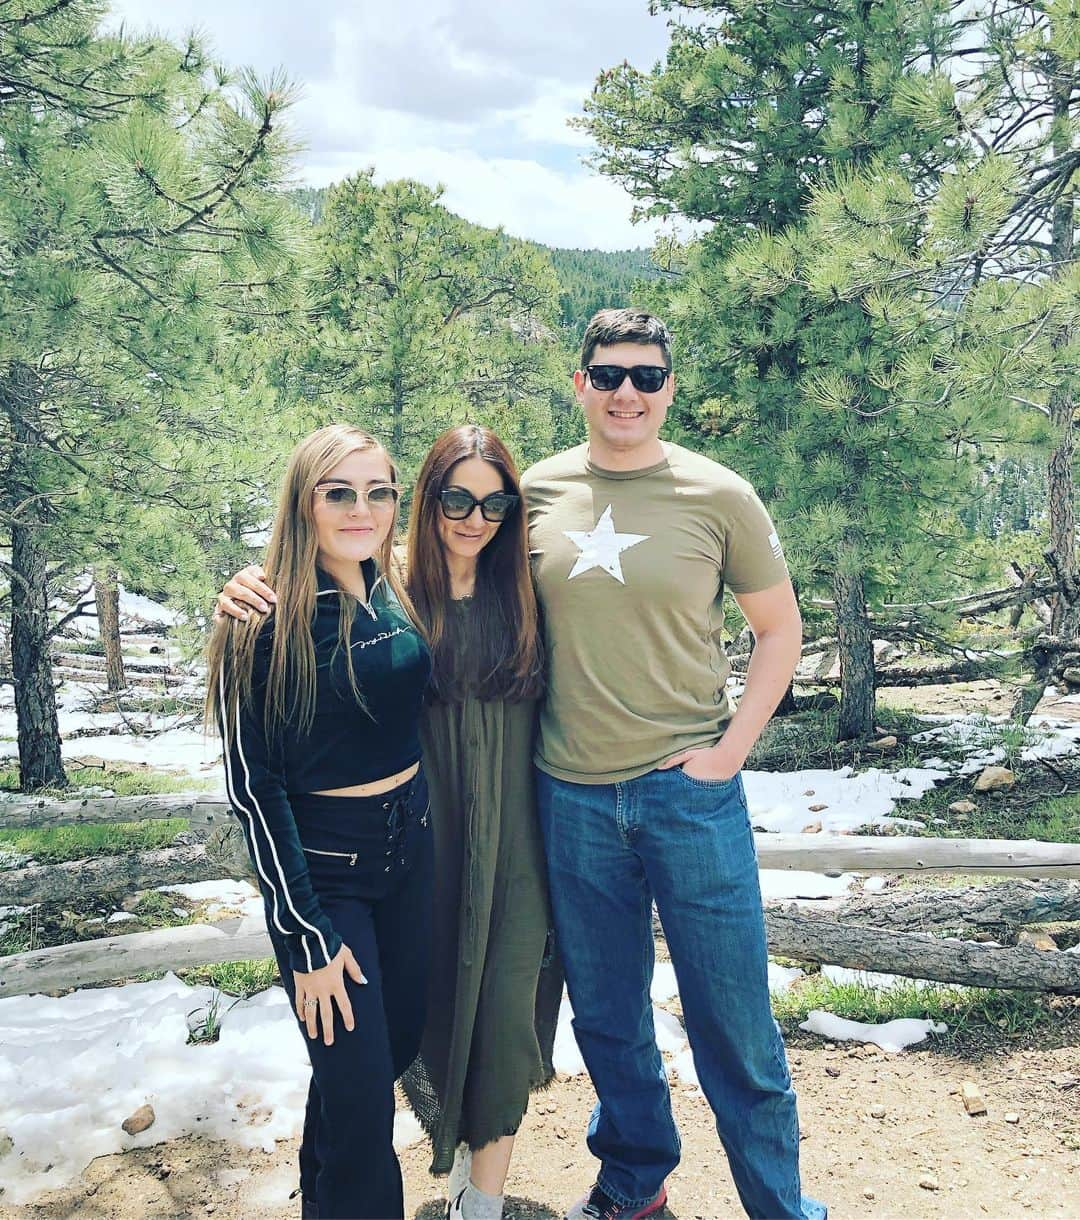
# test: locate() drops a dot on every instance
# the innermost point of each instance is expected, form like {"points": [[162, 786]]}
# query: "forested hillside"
{"points": [[597, 279], [588, 279]]}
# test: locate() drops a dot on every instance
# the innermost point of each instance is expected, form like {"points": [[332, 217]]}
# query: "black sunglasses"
{"points": [[648, 378], [457, 504]]}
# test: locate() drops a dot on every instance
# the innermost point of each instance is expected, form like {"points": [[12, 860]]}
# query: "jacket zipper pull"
{"points": [[352, 859]]}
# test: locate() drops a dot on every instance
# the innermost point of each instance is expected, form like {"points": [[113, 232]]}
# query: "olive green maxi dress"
{"points": [[495, 986]]}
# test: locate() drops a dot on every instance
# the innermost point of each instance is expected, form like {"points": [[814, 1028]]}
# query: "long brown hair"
{"points": [[290, 571], [504, 604]]}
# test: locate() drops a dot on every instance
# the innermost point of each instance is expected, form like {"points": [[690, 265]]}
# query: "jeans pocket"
{"points": [[714, 784]]}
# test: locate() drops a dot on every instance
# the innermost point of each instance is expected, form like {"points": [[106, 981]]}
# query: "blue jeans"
{"points": [[612, 849]]}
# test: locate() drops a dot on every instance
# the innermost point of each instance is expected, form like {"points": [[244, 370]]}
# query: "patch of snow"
{"points": [[664, 984], [781, 977], [872, 885], [780, 801], [892, 1036], [683, 1065], [792, 883], [223, 897], [566, 1057], [121, 1047], [119, 917], [670, 1035], [1043, 737]]}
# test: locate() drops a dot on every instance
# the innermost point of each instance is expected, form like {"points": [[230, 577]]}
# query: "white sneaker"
{"points": [[459, 1172]]}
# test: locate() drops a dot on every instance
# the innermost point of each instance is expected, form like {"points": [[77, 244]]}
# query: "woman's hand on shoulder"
{"points": [[246, 591], [319, 990]]}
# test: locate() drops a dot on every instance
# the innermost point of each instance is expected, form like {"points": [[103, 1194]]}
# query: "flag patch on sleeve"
{"points": [[777, 549]]}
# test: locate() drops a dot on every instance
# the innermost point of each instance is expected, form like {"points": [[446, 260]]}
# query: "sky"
{"points": [[468, 94]]}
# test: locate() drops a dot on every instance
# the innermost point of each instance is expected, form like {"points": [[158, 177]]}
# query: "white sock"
{"points": [[476, 1205]]}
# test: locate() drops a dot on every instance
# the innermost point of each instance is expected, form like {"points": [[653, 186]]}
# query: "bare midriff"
{"points": [[376, 787]]}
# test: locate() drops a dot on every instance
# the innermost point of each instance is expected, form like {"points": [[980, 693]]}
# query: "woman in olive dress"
{"points": [[494, 984]]}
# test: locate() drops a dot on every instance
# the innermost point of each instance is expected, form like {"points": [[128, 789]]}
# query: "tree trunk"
{"points": [[40, 764], [1066, 617], [857, 700], [397, 435], [107, 598]]}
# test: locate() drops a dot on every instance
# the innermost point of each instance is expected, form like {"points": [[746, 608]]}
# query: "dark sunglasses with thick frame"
{"points": [[457, 503], [647, 378]]}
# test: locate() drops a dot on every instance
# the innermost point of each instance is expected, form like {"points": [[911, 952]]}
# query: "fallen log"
{"points": [[818, 938], [791, 932], [939, 673], [835, 853], [971, 604], [118, 957], [1011, 902], [201, 810], [223, 855]]}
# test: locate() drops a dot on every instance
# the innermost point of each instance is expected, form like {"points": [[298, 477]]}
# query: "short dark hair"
{"points": [[609, 326]]}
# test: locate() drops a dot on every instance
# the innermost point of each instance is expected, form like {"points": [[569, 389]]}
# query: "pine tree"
{"points": [[430, 320], [990, 250], [139, 231], [756, 104]]}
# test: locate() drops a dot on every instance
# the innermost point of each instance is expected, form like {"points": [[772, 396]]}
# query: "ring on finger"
{"points": [[311, 1003]]}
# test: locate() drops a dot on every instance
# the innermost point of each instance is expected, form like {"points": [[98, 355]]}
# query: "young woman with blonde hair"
{"points": [[318, 704], [494, 985]]}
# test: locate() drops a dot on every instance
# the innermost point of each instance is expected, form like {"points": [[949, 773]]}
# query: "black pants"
{"points": [[377, 894]]}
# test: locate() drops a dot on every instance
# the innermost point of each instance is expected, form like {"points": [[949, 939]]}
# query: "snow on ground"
{"points": [[123, 1047], [892, 1036], [1043, 737], [787, 801], [136, 611], [232, 898]]}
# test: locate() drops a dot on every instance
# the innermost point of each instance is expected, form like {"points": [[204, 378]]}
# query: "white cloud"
{"points": [[464, 92], [528, 199]]}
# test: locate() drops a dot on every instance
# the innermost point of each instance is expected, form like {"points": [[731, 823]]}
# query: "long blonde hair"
{"points": [[290, 571]]}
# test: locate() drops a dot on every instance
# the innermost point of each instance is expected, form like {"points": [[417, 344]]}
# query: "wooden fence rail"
{"points": [[224, 855], [809, 936]]}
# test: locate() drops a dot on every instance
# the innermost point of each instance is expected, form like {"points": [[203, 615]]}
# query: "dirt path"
{"points": [[924, 1158]]}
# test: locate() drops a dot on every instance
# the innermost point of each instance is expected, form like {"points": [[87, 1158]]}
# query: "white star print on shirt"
{"points": [[601, 547]]}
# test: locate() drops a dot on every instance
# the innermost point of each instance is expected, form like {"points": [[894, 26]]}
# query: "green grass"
{"points": [[1017, 813], [92, 648], [241, 979], [157, 910], [808, 740], [123, 783], [56, 844], [962, 1009]]}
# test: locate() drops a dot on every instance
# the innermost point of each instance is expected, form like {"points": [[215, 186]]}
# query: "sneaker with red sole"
{"points": [[599, 1205]]}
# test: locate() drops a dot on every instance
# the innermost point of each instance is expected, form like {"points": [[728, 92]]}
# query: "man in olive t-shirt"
{"points": [[633, 542]]}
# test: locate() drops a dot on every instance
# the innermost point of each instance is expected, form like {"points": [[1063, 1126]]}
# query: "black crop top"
{"points": [[346, 744]]}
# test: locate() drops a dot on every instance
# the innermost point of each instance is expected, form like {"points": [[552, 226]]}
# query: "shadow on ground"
{"points": [[514, 1208], [517, 1208]]}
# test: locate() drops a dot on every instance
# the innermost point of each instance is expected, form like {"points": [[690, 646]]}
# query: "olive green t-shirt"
{"points": [[630, 568]]}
